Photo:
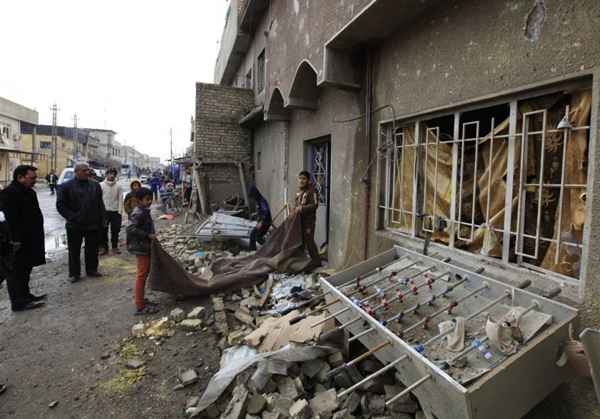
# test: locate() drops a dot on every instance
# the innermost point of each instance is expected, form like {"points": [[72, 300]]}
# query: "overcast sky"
{"points": [[125, 65]]}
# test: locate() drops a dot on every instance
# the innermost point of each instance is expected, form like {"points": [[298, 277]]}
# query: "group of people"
{"points": [[91, 210]]}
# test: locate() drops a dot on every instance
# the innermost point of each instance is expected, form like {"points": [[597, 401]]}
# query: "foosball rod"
{"points": [[402, 313], [393, 299], [374, 375], [345, 309], [408, 389], [359, 358]]}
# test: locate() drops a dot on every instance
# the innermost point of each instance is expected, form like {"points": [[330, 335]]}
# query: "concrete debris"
{"points": [[280, 404], [191, 324], [221, 323], [256, 404], [301, 410], [236, 337], [196, 313], [312, 368], [192, 402], [324, 403], [352, 402], [134, 363], [53, 404], [160, 328], [188, 377], [336, 359], [271, 415], [287, 388], [376, 404], [177, 315], [404, 404], [138, 330], [218, 304], [343, 414], [236, 408]]}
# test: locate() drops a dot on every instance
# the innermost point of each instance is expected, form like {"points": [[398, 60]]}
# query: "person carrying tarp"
{"points": [[307, 201], [259, 232]]}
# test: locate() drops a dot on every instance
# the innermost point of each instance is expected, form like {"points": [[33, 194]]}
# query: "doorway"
{"points": [[318, 163]]}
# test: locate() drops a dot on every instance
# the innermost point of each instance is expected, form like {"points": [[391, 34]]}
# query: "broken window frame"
{"points": [[389, 152]]}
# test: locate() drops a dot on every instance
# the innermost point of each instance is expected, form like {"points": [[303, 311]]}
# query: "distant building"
{"points": [[12, 117]]}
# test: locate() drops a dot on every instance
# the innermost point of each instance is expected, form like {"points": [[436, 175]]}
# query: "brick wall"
{"points": [[220, 138]]}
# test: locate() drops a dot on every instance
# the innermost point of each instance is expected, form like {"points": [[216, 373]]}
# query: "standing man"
{"points": [[155, 183], [112, 195], [307, 201], [22, 212], [52, 180], [80, 202]]}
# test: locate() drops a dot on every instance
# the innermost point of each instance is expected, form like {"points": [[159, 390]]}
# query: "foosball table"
{"points": [[465, 344]]}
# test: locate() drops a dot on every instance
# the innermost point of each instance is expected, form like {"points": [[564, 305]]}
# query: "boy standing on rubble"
{"points": [[307, 201], [140, 234]]}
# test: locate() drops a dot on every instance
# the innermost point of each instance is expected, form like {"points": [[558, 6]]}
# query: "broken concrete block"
{"points": [[343, 414], [218, 304], [256, 404], [221, 322], [343, 380], [322, 376], [192, 402], [252, 417], [404, 404], [278, 403], [287, 388], [301, 410], [236, 337], [177, 315], [271, 415], [336, 359], [369, 366], [195, 313], [137, 330], [134, 363], [191, 324], [188, 377], [236, 409], [351, 402], [324, 403], [299, 385], [376, 404], [311, 368]]}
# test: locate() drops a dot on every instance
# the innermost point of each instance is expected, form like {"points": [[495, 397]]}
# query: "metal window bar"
{"points": [[429, 133], [399, 215], [462, 170], [561, 195], [523, 184]]}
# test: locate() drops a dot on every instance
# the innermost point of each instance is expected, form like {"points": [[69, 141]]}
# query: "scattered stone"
{"points": [[322, 376], [311, 368], [351, 402], [188, 377], [221, 322], [105, 355], [236, 337], [404, 404], [278, 403], [252, 417], [192, 402], [376, 404], [195, 313], [271, 415], [53, 404], [191, 324], [300, 410], [343, 380], [236, 408], [420, 415], [343, 414], [134, 363], [299, 385], [218, 304], [336, 359], [177, 315], [137, 330], [256, 404], [324, 403], [287, 388]]}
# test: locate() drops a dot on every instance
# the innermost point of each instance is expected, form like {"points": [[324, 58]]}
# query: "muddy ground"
{"points": [[73, 351]]}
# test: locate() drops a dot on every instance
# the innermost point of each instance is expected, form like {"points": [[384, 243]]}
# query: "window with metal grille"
{"points": [[506, 181], [260, 72]]}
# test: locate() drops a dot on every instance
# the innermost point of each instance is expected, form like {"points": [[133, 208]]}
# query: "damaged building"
{"points": [[467, 127]]}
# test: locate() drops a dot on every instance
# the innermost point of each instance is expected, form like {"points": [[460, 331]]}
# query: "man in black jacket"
{"points": [[21, 209], [80, 202]]}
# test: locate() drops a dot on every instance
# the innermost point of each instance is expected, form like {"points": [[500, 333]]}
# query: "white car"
{"points": [[144, 179], [66, 175]]}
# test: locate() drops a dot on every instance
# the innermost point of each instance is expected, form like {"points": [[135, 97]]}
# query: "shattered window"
{"points": [[467, 176]]}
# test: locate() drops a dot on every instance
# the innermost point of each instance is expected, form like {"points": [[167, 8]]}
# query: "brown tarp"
{"points": [[282, 252]]}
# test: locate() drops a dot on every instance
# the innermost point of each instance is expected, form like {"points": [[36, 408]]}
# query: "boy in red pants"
{"points": [[140, 234]]}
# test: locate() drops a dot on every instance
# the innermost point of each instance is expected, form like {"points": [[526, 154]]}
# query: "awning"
{"points": [[254, 117]]}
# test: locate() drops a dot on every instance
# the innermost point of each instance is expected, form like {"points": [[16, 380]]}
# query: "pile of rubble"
{"points": [[191, 252]]}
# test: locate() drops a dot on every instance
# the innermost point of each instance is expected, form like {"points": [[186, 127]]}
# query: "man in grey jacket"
{"points": [[80, 202]]}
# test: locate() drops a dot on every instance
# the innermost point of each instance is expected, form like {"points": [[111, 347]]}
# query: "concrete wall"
{"points": [[269, 140], [220, 138]]}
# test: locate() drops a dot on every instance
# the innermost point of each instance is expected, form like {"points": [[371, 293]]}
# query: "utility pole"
{"points": [[75, 140], [54, 150], [172, 168]]}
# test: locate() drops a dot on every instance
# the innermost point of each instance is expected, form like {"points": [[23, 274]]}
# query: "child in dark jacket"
{"points": [[140, 234]]}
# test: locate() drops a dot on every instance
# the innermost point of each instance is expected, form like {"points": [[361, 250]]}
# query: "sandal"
{"points": [[149, 309]]}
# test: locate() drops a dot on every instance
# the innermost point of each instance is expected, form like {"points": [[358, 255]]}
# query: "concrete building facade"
{"points": [[12, 117], [472, 124]]}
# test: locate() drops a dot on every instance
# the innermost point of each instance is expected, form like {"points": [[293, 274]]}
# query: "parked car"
{"points": [[66, 175], [144, 179]]}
